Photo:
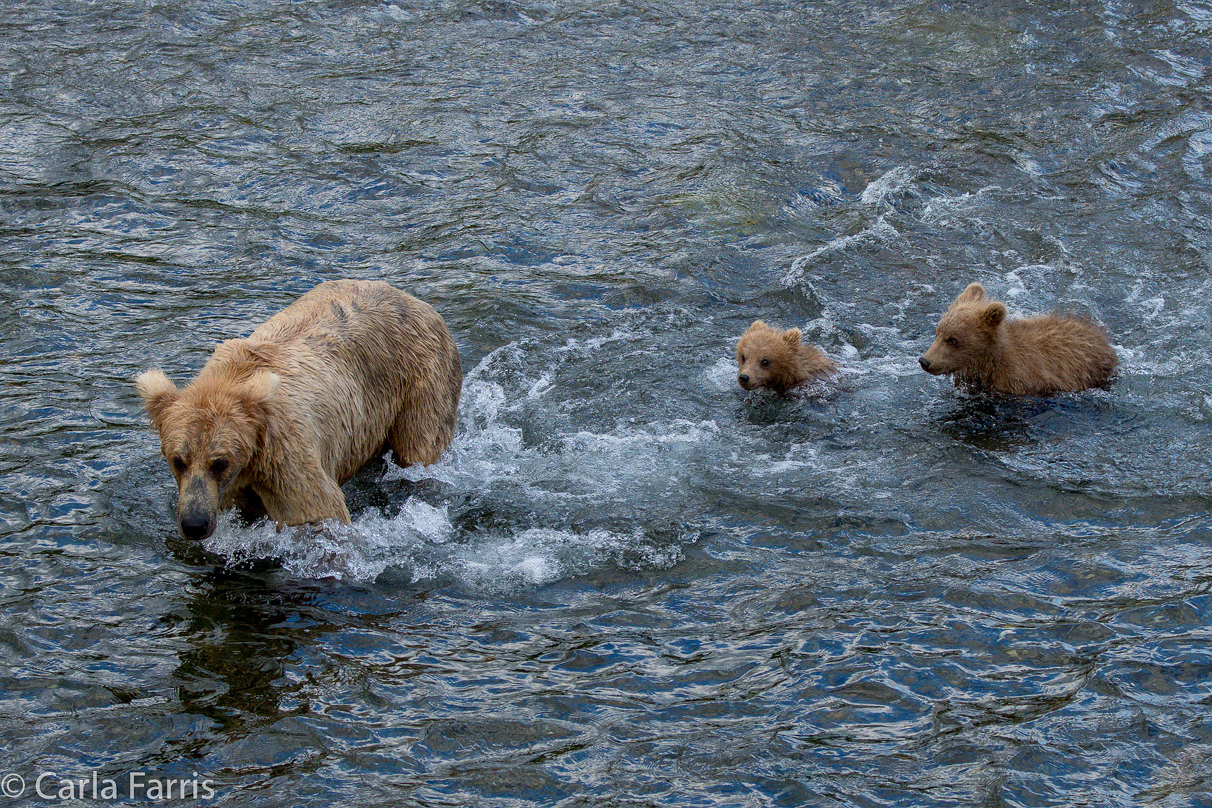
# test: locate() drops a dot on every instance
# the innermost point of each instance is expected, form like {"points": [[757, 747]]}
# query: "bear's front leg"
{"points": [[245, 500], [307, 496]]}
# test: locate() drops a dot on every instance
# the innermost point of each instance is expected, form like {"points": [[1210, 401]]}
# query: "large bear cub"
{"points": [[779, 360], [1049, 353], [275, 423]]}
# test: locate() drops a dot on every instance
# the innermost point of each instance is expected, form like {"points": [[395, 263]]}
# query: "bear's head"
{"points": [[965, 334], [767, 357], [209, 434]]}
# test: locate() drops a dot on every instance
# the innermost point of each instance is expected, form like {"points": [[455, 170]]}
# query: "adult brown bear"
{"points": [[276, 422]]}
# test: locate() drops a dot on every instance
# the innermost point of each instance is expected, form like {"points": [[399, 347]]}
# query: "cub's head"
{"points": [[766, 357], [965, 333], [209, 435]]}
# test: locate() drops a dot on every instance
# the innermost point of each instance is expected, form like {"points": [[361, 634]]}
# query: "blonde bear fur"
{"points": [[779, 360], [1049, 353], [275, 423]]}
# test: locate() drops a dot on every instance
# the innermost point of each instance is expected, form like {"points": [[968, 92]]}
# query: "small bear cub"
{"points": [[779, 360], [1037, 356]]}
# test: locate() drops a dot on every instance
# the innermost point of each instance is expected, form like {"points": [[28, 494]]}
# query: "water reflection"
{"points": [[995, 423], [237, 634]]}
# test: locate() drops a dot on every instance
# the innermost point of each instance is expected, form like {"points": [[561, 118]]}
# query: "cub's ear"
{"points": [[972, 294], [157, 393], [792, 336], [993, 315], [757, 327]]}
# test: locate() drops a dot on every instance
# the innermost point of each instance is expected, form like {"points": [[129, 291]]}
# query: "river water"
{"points": [[627, 583]]}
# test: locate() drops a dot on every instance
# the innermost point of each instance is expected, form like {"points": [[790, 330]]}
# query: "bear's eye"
{"points": [[765, 363], [178, 463], [742, 358], [952, 341], [218, 467]]}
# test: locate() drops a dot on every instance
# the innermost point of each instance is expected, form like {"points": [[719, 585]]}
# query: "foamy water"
{"points": [[491, 459]]}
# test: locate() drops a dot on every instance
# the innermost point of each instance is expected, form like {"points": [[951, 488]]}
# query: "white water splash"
{"points": [[879, 232], [721, 375], [419, 543], [613, 472]]}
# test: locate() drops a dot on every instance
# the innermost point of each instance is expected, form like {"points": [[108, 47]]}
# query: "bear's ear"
{"points": [[993, 315], [262, 387], [255, 395], [792, 336], [972, 294], [157, 393]]}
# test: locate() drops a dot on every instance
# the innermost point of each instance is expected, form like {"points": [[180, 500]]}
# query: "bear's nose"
{"points": [[742, 380], [195, 527], [924, 362]]}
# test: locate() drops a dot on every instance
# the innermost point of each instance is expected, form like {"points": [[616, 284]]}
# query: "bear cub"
{"points": [[779, 360], [1041, 355]]}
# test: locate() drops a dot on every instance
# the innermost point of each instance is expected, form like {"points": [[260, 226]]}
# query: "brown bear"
{"points": [[779, 360], [275, 423], [1049, 353]]}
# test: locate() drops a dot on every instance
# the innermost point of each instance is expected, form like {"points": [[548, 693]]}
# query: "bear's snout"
{"points": [[197, 506], [196, 526], [743, 380], [924, 362]]}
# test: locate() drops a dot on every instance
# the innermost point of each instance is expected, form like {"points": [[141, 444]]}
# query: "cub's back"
{"points": [[1063, 346]]}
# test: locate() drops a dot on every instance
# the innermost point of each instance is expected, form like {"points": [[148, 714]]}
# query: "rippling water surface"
{"points": [[626, 584]]}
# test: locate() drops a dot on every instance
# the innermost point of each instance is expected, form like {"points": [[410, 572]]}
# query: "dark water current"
{"points": [[626, 584]]}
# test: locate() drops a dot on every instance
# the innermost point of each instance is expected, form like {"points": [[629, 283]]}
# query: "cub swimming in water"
{"points": [[778, 360], [1041, 355]]}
